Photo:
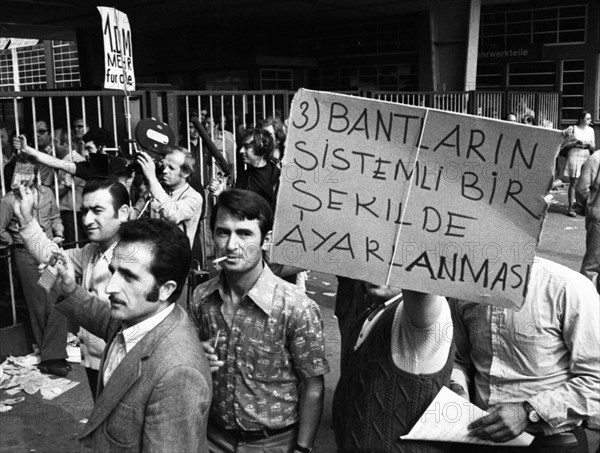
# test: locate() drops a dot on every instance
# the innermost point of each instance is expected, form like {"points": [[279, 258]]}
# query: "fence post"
{"points": [[153, 104], [173, 114]]}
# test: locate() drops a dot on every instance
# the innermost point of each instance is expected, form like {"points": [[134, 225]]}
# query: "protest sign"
{"points": [[411, 197], [118, 51]]}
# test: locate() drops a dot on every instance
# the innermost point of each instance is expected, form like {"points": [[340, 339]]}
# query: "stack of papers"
{"points": [[446, 420]]}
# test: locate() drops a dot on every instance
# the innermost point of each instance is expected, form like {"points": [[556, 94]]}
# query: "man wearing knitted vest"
{"points": [[396, 359]]}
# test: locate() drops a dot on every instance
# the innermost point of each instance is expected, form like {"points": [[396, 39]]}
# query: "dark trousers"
{"points": [[572, 442], [48, 324]]}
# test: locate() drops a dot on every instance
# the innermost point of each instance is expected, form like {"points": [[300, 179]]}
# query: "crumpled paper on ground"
{"points": [[20, 374]]}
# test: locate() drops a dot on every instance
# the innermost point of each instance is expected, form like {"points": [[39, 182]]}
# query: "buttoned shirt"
{"points": [[182, 207], [548, 353], [276, 339], [131, 336]]}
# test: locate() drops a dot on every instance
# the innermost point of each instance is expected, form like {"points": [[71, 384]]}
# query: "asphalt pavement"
{"points": [[53, 426]]}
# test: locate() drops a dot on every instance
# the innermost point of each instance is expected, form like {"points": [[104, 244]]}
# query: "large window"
{"points": [[32, 68], [276, 79], [537, 75], [557, 25], [25, 68], [572, 86], [379, 56], [489, 76], [66, 64]]}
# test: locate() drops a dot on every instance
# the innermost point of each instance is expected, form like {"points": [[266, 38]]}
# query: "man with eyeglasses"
{"points": [[80, 128], [44, 142]]}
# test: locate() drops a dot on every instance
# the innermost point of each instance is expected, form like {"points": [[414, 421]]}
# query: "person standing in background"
{"points": [[580, 143]]}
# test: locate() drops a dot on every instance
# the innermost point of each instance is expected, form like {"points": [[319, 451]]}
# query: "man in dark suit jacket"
{"points": [[154, 388]]}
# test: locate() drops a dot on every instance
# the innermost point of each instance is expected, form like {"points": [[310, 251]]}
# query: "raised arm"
{"points": [[174, 211], [20, 143]]}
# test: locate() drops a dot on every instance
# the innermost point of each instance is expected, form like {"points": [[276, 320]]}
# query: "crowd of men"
{"points": [[239, 366]]}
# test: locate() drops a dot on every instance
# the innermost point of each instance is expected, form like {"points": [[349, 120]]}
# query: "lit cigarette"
{"points": [[217, 339], [218, 260]]}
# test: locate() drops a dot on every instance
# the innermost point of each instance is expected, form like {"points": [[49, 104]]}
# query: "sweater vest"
{"points": [[375, 402]]}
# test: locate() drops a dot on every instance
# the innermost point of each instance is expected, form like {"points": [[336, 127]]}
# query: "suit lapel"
{"points": [[128, 371]]}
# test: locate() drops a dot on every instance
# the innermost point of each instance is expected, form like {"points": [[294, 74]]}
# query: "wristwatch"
{"points": [[302, 449], [532, 414]]}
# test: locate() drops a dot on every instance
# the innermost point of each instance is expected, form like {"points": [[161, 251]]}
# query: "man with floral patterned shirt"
{"points": [[263, 338]]}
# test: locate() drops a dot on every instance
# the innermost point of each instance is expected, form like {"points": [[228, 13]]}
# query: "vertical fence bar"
{"points": [[244, 111], [72, 179], [52, 147], [187, 129], [234, 126], [114, 116]]}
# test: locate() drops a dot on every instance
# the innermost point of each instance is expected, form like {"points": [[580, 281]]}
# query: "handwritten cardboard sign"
{"points": [[118, 50], [412, 197]]}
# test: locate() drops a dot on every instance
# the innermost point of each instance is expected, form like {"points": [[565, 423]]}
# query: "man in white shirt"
{"points": [[105, 207], [535, 369], [172, 198]]}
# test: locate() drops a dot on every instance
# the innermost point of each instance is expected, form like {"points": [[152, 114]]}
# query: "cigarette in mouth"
{"points": [[218, 260]]}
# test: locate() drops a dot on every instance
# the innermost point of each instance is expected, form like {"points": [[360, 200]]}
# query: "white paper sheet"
{"points": [[446, 419]]}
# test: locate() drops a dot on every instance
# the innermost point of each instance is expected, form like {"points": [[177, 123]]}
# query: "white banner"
{"points": [[118, 50]]}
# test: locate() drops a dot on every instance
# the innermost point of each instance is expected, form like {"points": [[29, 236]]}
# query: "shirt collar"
{"points": [[135, 333], [107, 254], [179, 191], [262, 293]]}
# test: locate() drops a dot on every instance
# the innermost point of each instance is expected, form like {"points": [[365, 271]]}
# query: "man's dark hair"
{"points": [[118, 191], [280, 134], [170, 246], [244, 205], [529, 119], [262, 141], [100, 137]]}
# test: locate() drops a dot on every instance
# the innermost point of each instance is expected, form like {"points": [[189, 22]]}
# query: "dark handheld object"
{"points": [[151, 135], [212, 148]]}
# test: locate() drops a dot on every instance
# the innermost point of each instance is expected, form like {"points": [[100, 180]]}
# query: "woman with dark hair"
{"points": [[579, 143], [276, 128]]}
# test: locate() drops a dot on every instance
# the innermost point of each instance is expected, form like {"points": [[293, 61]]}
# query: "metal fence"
{"points": [[543, 106], [226, 114]]}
